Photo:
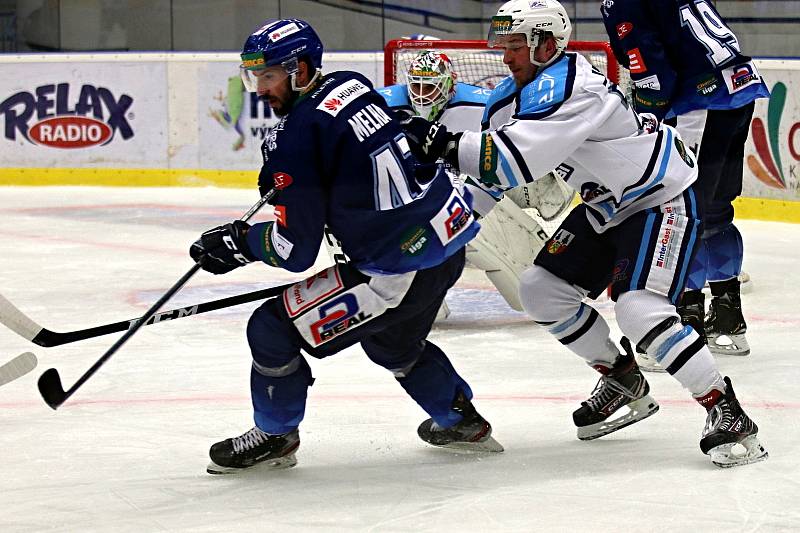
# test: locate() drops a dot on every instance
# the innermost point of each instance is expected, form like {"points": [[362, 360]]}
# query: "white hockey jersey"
{"points": [[571, 118]]}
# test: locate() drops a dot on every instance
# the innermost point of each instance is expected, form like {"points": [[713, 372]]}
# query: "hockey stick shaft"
{"points": [[48, 338], [50, 386]]}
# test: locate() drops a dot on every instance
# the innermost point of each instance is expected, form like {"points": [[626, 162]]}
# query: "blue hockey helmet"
{"points": [[282, 42]]}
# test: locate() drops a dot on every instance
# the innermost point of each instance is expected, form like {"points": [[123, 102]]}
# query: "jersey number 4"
{"points": [[392, 186], [709, 29]]}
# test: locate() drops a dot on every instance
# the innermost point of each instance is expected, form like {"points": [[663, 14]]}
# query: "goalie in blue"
{"points": [[341, 160]]}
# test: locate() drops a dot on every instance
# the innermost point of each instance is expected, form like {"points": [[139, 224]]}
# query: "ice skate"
{"points": [[730, 438], [472, 434], [620, 386], [254, 448], [692, 309], [725, 326]]}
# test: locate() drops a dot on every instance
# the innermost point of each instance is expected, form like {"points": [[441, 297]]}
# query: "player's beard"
{"points": [[280, 106]]}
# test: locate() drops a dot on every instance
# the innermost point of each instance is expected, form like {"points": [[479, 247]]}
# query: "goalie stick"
{"points": [[50, 386], [17, 367], [21, 324]]}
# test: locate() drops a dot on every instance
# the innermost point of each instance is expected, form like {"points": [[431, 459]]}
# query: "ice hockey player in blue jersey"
{"points": [[341, 160], [687, 67], [509, 237], [636, 229]]}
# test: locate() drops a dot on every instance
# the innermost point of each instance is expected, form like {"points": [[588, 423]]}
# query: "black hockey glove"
{"points": [[430, 141], [222, 249]]}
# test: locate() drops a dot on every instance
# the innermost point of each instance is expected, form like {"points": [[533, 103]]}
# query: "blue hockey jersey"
{"points": [[681, 56], [348, 165]]}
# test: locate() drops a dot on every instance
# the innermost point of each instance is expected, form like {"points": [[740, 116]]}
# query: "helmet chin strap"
{"points": [[535, 41], [307, 86]]}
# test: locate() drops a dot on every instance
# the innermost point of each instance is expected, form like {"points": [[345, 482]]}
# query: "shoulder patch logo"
{"points": [[623, 29], [341, 96]]}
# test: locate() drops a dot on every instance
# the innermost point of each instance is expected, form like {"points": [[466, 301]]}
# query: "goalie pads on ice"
{"points": [[549, 195], [506, 245]]}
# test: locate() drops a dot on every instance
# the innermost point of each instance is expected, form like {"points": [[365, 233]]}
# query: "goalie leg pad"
{"points": [[506, 245], [549, 195]]}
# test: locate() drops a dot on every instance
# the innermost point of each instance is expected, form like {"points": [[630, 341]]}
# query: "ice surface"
{"points": [[128, 451]]}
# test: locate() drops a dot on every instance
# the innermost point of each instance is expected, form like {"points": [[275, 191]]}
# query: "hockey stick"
{"points": [[50, 386], [18, 322], [17, 367]]}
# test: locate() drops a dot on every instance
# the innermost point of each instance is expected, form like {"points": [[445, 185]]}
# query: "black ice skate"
{"points": [[692, 309], [730, 438], [620, 386], [254, 448], [473, 433], [725, 325]]}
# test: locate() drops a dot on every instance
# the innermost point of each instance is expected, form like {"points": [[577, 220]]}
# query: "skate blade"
{"points": [[728, 344], [638, 410], [748, 451], [489, 445], [280, 463]]}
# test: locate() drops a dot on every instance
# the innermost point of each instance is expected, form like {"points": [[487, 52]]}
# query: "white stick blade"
{"points": [[17, 367], [16, 320]]}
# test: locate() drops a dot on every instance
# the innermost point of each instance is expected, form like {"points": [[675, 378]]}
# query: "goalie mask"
{"points": [[533, 19], [431, 83], [281, 43]]}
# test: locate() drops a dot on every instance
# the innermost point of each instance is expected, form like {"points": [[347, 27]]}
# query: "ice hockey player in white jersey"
{"points": [[509, 239], [637, 228]]}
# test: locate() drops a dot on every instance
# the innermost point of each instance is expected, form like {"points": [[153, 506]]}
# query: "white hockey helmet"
{"points": [[431, 83], [532, 18]]}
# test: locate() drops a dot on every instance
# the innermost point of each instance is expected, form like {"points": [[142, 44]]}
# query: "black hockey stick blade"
{"points": [[51, 389], [17, 367]]}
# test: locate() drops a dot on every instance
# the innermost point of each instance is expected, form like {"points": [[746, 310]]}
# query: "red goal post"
{"points": [[477, 64]]}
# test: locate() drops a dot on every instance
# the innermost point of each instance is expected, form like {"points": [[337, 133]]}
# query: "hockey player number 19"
{"points": [[392, 188], [711, 32]]}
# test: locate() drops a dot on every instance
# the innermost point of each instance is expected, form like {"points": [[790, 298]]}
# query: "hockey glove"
{"points": [[431, 141], [222, 249]]}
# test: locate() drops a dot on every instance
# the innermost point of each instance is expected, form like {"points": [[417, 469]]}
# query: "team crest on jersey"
{"points": [[560, 241], [281, 180], [623, 29], [341, 96]]}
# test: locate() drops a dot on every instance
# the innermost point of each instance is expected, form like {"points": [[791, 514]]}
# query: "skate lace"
{"points": [[251, 439], [604, 391], [718, 419]]}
